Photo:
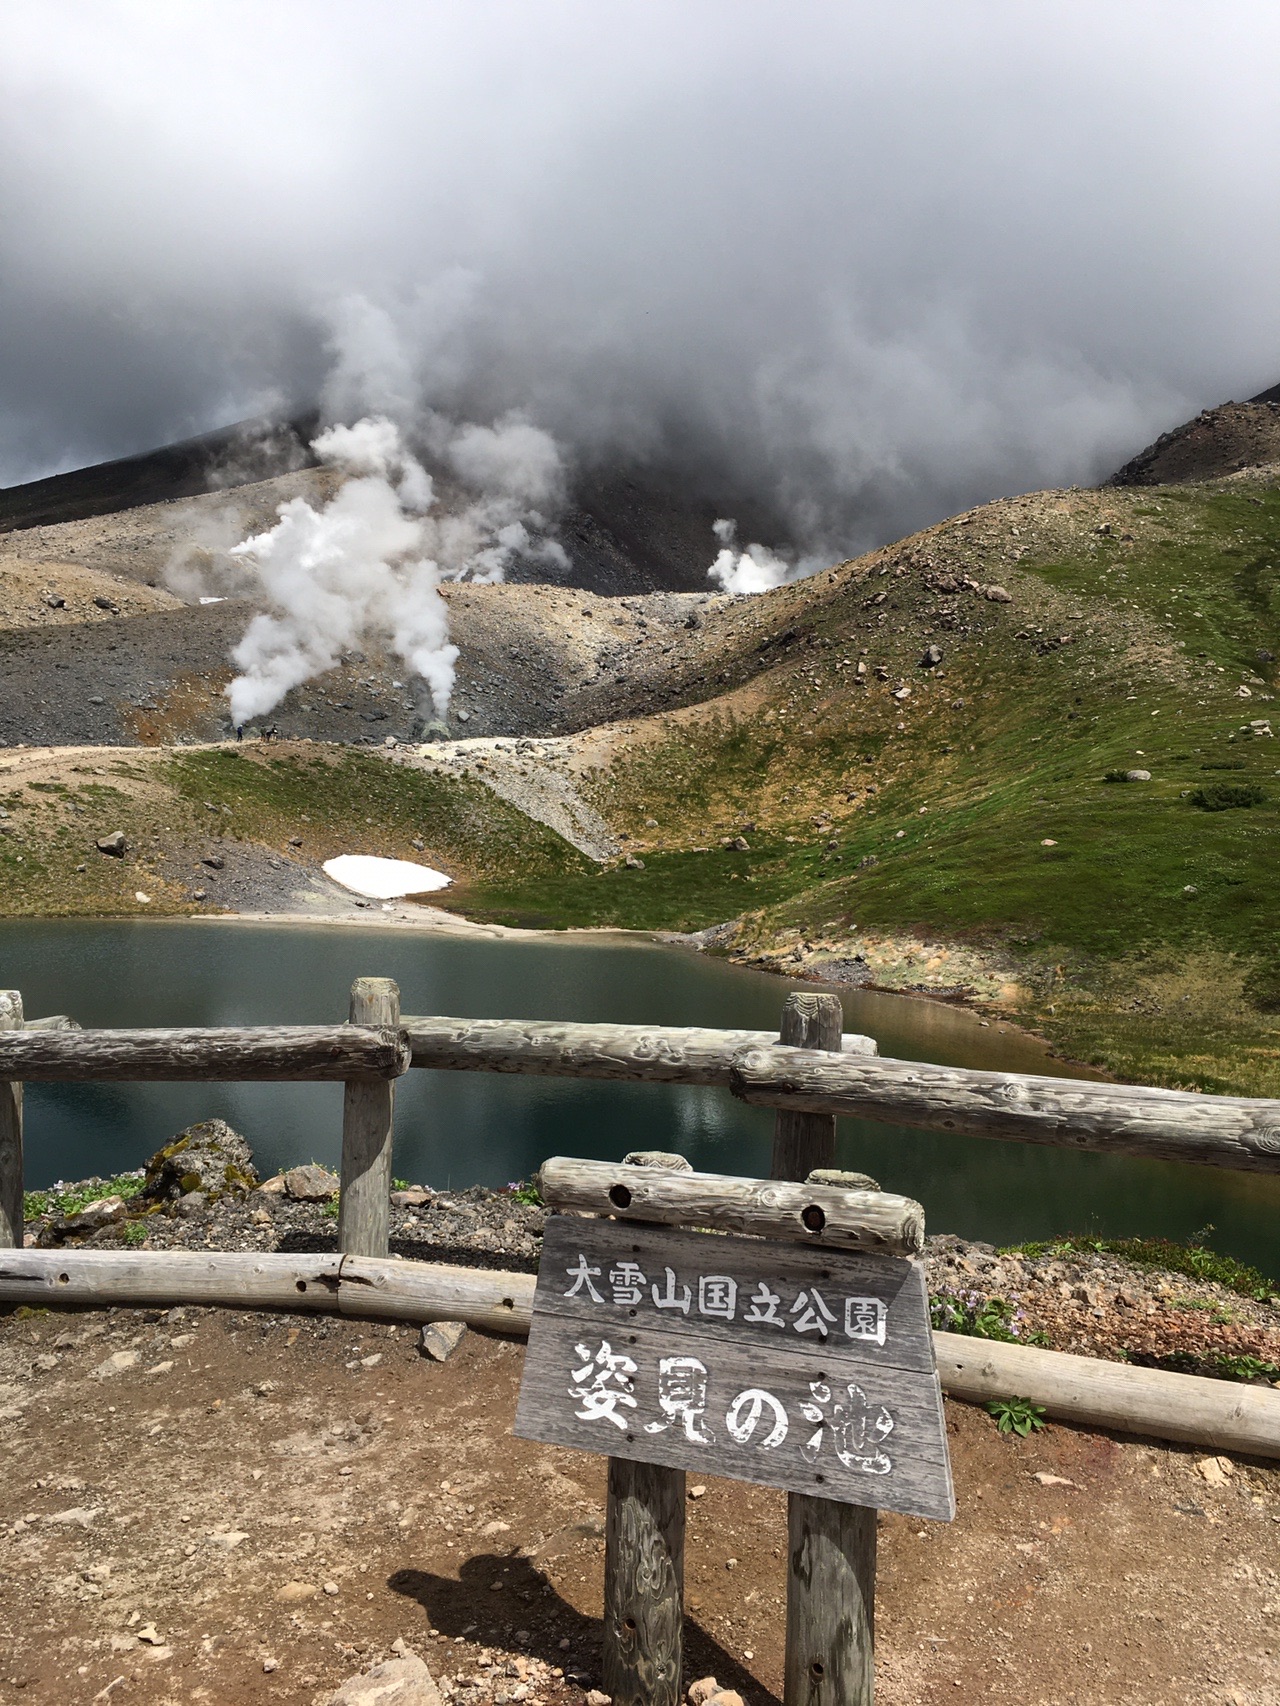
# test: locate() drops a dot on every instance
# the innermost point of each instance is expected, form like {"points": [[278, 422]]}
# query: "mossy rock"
{"points": [[211, 1157]]}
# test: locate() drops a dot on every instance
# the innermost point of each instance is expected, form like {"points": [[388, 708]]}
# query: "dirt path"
{"points": [[203, 1506]]}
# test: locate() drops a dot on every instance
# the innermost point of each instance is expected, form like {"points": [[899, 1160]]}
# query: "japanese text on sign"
{"points": [[717, 1298]]}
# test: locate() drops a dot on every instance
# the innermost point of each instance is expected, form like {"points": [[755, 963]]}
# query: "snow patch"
{"points": [[383, 879]]}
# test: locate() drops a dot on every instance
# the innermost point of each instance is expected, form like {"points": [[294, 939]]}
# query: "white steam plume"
{"points": [[755, 568], [368, 565]]}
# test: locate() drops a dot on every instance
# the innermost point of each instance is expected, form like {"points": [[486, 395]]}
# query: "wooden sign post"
{"points": [[800, 1357]]}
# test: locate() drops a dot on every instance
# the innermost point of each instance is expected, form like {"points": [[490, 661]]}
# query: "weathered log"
{"points": [[829, 1658], [831, 1597], [804, 1142], [665, 1054], [431, 1291], [264, 1053], [104, 1279], [364, 1208], [11, 1163], [348, 1285], [1225, 1415], [1114, 1119], [643, 1584], [52, 1022], [765, 1208]]}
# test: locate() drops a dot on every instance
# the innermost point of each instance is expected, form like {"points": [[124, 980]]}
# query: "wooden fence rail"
{"points": [[263, 1053], [660, 1054], [1114, 1119]]}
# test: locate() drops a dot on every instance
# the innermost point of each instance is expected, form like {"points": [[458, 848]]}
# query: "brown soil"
{"points": [[155, 1517]]}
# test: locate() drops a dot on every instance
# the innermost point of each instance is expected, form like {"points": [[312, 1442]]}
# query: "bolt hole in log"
{"points": [[629, 1624], [817, 1670], [64, 1279], [814, 1218], [301, 1285], [620, 1196]]}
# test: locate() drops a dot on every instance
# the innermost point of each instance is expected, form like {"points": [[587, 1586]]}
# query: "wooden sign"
{"points": [[761, 1360]]}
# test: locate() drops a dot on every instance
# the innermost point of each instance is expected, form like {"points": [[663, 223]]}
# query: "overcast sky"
{"points": [[874, 261]]}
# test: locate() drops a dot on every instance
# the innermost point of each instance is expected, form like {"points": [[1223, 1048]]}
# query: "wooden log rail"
{"points": [[764, 1208], [1113, 1119], [264, 1053], [661, 1054], [345, 1285], [1220, 1415]]}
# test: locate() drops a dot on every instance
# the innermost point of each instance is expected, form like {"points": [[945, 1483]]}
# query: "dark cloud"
{"points": [[873, 263]]}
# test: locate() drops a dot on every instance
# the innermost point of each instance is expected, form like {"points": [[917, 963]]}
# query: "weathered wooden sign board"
{"points": [[807, 1369]]}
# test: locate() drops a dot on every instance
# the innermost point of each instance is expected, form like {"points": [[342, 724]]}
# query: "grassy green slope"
{"points": [[1140, 636]]}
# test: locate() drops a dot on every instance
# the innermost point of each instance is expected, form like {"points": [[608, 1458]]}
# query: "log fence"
{"points": [[809, 1075]]}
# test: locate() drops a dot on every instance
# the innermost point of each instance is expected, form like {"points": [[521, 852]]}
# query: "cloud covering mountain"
{"points": [[871, 263]]}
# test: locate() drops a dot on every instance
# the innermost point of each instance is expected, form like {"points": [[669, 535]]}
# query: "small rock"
{"points": [[119, 1362], [632, 863], [214, 861], [114, 844], [295, 841], [1137, 775], [997, 595], [697, 1492], [1217, 1471], [330, 1588], [441, 1338], [726, 1697], [150, 1635], [702, 1691], [598, 1697], [932, 657], [311, 1183], [418, 844], [740, 844], [415, 1197], [228, 1539], [651, 823], [404, 1681], [900, 693], [273, 1187], [96, 699], [105, 603], [1047, 1480], [269, 1665], [293, 1593], [104, 1212]]}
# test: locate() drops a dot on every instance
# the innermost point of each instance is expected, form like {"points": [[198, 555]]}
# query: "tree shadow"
{"points": [[527, 1615]]}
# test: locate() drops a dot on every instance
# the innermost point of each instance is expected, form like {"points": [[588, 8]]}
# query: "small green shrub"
{"points": [[1227, 796], [135, 1232], [980, 1317], [526, 1192], [1194, 1259], [1016, 1416]]}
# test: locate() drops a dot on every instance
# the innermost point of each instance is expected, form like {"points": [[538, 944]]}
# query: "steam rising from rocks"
{"points": [[754, 568], [366, 567]]}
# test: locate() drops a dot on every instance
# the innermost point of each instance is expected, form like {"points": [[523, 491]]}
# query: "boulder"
{"points": [[404, 1681], [209, 1157], [113, 844], [932, 657], [1137, 775], [311, 1183]]}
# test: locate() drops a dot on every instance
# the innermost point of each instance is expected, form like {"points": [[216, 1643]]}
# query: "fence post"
{"points": [[802, 1142], [364, 1208], [11, 1223], [643, 1651], [831, 1547]]}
